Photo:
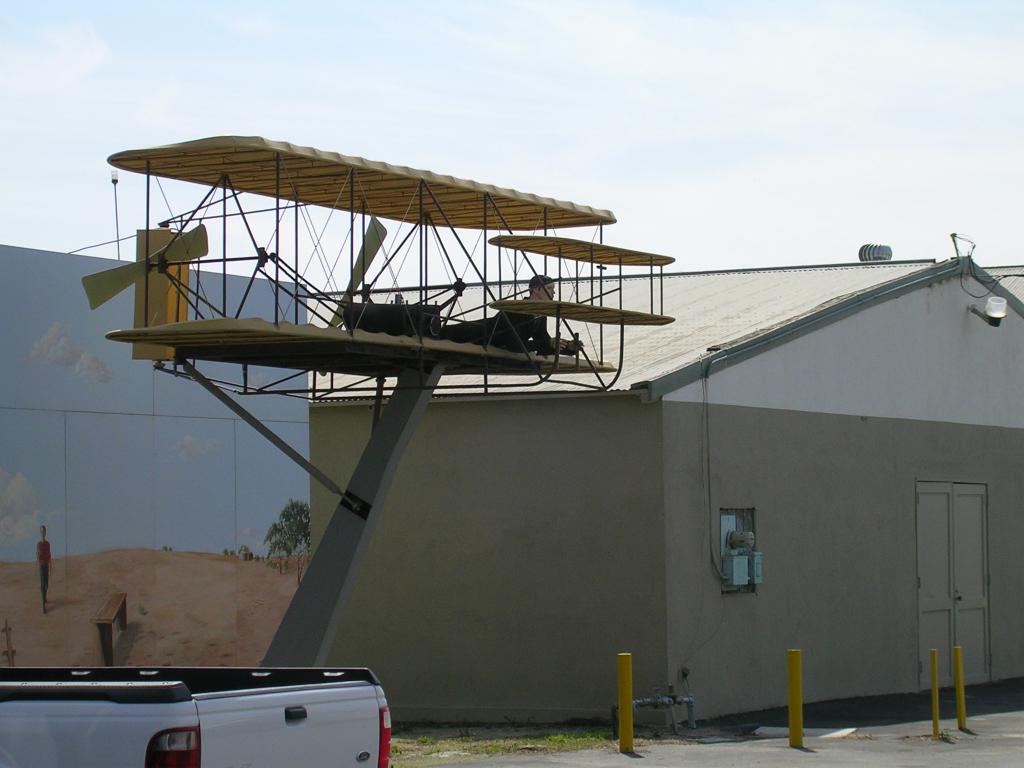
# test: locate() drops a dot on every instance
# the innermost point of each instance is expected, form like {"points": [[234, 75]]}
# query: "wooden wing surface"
{"points": [[255, 341], [581, 250], [346, 182], [587, 313]]}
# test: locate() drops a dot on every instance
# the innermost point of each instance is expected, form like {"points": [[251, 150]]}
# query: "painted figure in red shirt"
{"points": [[43, 558]]}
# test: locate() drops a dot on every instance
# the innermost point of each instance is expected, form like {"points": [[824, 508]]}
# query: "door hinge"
{"points": [[920, 667], [918, 582]]}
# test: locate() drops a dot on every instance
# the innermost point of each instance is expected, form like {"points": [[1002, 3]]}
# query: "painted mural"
{"points": [[157, 527]]}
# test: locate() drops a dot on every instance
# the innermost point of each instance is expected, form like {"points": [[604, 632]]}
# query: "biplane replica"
{"points": [[438, 283]]}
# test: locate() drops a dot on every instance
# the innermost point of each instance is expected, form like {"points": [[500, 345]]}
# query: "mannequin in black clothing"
{"points": [[514, 330]]}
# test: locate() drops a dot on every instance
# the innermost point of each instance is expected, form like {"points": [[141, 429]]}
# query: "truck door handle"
{"points": [[959, 598], [292, 714]]}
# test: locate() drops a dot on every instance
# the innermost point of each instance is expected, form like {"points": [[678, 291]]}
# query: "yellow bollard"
{"points": [[935, 692], [796, 699], [625, 669], [958, 682]]}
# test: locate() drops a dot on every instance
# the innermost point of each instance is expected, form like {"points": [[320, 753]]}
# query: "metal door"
{"points": [[970, 579], [952, 578]]}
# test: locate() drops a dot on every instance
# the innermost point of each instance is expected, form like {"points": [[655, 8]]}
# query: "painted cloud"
{"points": [[19, 512], [190, 447], [57, 347]]}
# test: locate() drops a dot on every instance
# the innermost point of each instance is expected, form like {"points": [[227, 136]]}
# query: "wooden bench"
{"points": [[114, 608]]}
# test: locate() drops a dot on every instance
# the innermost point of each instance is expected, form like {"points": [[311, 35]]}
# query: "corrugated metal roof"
{"points": [[718, 309], [1011, 278]]}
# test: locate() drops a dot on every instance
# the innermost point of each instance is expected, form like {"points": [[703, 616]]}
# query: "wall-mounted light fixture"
{"points": [[995, 311]]}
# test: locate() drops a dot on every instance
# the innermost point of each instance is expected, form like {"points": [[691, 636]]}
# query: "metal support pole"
{"points": [[277, 235], [651, 281], [661, 289], [958, 682], [117, 219], [145, 283], [224, 245], [601, 270], [260, 427], [514, 278], [796, 698], [362, 246], [306, 633], [934, 658], [423, 291], [426, 247], [559, 279], [351, 181], [591, 299], [378, 402], [545, 235], [625, 676]]}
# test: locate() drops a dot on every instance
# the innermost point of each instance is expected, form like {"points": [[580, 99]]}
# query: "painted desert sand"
{"points": [[184, 608]]}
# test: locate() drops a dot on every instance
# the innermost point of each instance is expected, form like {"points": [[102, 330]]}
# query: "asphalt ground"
{"points": [[890, 731]]}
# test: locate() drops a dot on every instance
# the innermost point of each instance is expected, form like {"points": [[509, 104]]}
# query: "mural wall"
{"points": [[148, 489]]}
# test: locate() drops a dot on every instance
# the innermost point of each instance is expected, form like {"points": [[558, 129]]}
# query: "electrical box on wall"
{"points": [[736, 570], [741, 563], [754, 567]]}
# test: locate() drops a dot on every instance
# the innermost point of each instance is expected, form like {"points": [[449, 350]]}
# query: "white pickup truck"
{"points": [[170, 717]]}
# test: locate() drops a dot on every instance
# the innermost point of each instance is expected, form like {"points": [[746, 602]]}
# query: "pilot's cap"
{"points": [[538, 280]]}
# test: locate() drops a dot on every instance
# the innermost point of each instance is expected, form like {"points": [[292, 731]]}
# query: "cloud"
{"points": [[55, 60], [191, 448], [57, 347], [19, 512]]}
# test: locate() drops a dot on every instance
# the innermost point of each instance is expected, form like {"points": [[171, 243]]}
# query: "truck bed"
{"points": [[241, 716]]}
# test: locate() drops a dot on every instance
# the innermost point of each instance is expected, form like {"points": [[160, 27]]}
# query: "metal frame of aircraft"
{"points": [[438, 211], [369, 337]]}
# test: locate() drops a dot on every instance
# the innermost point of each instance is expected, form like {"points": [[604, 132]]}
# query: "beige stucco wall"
{"points": [[528, 541], [835, 500], [519, 551]]}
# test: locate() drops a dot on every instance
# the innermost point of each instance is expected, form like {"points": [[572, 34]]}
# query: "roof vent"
{"points": [[871, 252]]}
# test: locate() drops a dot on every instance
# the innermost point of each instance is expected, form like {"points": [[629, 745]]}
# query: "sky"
{"points": [[726, 134]]}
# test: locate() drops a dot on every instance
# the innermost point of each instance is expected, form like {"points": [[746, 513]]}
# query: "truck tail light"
{"points": [[384, 747], [174, 748]]}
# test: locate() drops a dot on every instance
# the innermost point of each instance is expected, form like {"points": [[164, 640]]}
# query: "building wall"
{"points": [[826, 435], [835, 501], [146, 484], [519, 551]]}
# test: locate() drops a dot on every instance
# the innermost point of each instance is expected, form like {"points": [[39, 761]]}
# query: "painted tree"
{"points": [[289, 536]]}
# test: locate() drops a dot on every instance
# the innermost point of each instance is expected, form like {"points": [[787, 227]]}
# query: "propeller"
{"points": [[373, 238], [101, 287]]}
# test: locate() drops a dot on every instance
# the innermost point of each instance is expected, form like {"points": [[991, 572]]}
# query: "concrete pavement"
{"points": [[890, 731]]}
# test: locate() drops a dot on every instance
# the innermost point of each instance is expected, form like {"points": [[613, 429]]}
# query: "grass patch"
{"points": [[419, 745], [411, 747]]}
